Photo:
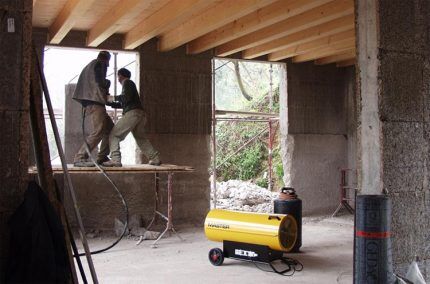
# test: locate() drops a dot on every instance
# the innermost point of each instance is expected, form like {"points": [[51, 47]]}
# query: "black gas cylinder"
{"points": [[289, 203]]}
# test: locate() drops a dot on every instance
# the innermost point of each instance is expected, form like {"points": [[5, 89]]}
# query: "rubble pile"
{"points": [[244, 196]]}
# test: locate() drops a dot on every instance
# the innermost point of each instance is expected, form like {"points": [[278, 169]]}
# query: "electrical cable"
{"points": [[87, 149], [290, 262]]}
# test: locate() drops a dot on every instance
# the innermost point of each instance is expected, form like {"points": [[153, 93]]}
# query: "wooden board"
{"points": [[142, 168]]}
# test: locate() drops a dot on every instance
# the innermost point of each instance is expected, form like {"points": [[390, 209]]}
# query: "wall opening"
{"points": [[246, 164], [62, 67]]}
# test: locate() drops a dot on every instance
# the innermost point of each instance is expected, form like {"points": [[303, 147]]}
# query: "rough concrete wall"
{"points": [[176, 93], [100, 205], [351, 130], [317, 134], [15, 50], [404, 76]]}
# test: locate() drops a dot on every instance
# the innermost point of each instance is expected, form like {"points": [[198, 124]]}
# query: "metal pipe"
{"points": [[65, 170], [214, 167], [269, 182], [115, 71], [243, 146]]}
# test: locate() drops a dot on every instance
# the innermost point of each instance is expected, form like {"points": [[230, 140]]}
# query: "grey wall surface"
{"points": [[404, 76], [317, 133], [15, 51]]}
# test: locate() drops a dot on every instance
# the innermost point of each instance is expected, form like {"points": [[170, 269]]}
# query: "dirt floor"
{"points": [[326, 255]]}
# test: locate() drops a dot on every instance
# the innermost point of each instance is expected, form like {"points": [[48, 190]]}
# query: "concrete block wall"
{"points": [[404, 74], [15, 51], [317, 133], [176, 92]]}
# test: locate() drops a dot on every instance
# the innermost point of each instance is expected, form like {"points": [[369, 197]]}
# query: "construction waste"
{"points": [[243, 196]]}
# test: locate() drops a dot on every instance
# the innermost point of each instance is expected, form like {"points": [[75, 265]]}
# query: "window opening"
{"points": [[62, 66]]}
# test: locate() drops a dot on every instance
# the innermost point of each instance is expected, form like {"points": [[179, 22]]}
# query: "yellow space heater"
{"points": [[250, 236]]}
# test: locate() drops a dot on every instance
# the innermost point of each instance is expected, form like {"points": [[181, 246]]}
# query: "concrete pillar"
{"points": [[15, 56], [369, 123], [73, 138], [394, 76]]}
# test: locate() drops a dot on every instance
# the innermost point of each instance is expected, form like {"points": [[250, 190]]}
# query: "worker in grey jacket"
{"points": [[133, 120], [91, 91]]}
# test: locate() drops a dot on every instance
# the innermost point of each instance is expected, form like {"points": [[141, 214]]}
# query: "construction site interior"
{"points": [[353, 78]]}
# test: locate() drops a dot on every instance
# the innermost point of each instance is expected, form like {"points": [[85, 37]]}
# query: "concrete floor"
{"points": [[326, 256]]}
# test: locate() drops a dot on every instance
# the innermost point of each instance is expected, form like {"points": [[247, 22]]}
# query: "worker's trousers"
{"points": [[132, 121], [101, 127]]}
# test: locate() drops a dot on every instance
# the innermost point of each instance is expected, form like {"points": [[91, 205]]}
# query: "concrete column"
{"points": [[394, 76], [15, 57], [73, 138], [370, 134]]}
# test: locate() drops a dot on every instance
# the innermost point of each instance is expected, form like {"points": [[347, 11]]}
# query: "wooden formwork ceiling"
{"points": [[304, 30]]}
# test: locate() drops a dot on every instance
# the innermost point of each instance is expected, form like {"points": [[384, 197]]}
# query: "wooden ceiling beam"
{"points": [[336, 57], [217, 16], [342, 24], [72, 10], [312, 45], [313, 55], [346, 63], [172, 14], [108, 24], [319, 15], [263, 17]]}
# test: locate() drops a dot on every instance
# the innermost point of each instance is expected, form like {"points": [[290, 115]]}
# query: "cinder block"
{"points": [[403, 25], [402, 87], [403, 145], [409, 226]]}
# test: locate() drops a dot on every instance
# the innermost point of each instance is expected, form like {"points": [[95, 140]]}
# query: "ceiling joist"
{"points": [[314, 17], [336, 57], [64, 22], [107, 26], [224, 12], [342, 24], [346, 63], [174, 13], [328, 41], [263, 17], [324, 52]]}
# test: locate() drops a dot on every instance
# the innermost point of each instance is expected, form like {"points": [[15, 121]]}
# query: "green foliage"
{"points": [[250, 162], [262, 182]]}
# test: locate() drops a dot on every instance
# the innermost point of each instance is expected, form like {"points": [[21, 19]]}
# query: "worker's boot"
{"points": [[155, 161], [102, 159], [112, 163]]}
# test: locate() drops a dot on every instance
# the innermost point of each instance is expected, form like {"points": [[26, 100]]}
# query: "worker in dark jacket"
{"points": [[92, 91], [133, 120]]}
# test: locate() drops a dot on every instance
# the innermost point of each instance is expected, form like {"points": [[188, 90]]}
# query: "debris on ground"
{"points": [[244, 196]]}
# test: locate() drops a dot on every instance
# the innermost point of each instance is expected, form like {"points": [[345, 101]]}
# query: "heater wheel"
{"points": [[216, 256]]}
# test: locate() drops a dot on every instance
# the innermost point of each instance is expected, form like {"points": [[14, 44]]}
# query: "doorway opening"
{"points": [[246, 160]]}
